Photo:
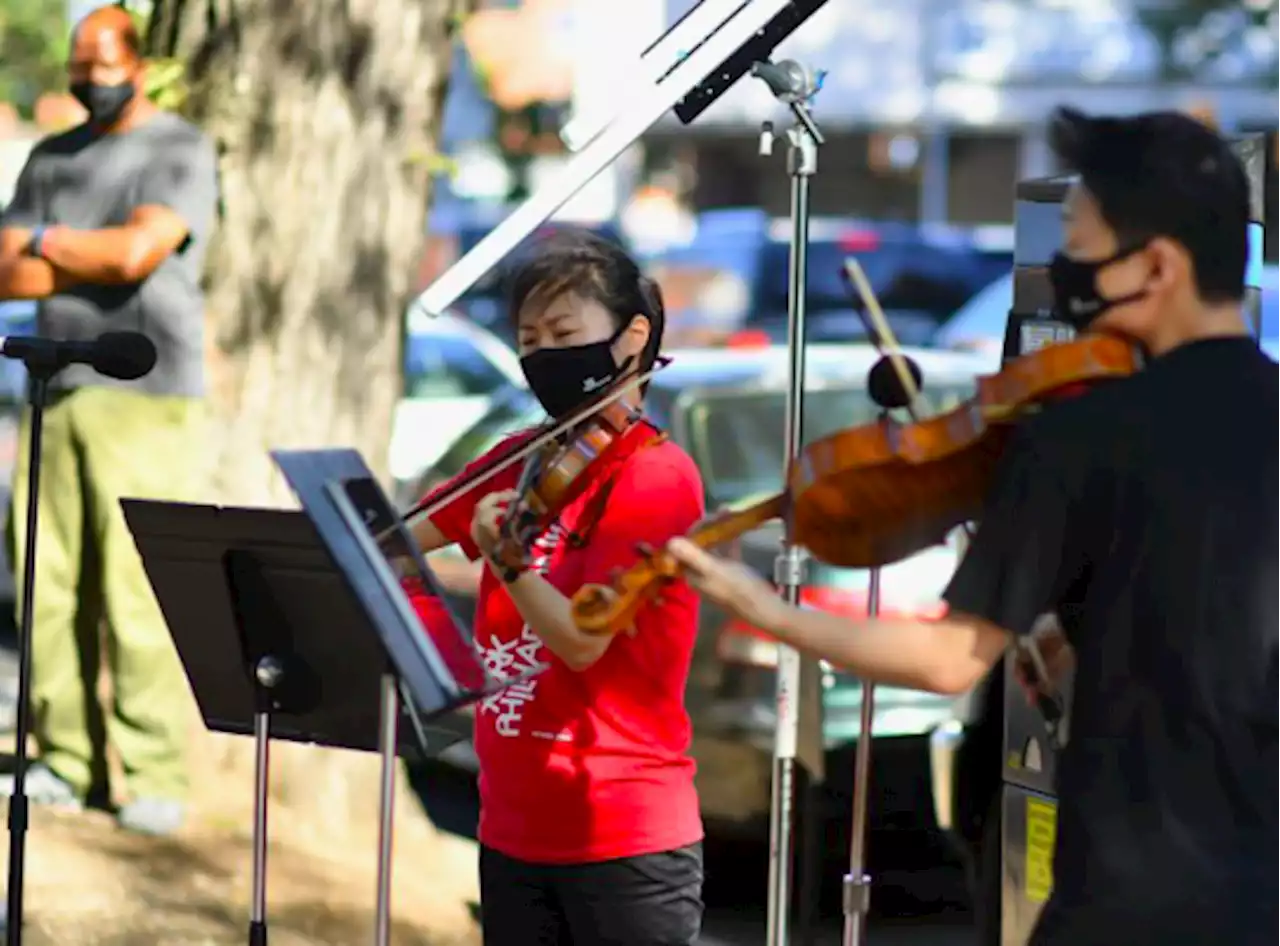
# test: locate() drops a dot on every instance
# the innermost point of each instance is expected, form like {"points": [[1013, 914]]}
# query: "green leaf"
{"points": [[167, 83]]}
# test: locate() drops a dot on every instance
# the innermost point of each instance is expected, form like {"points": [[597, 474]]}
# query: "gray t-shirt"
{"points": [[89, 182]]}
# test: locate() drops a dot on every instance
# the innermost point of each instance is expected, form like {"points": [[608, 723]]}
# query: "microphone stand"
{"points": [[42, 365], [794, 86], [855, 890]]}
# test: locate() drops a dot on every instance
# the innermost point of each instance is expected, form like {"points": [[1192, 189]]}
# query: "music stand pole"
{"points": [[39, 374], [388, 741], [793, 85], [856, 890], [268, 673]]}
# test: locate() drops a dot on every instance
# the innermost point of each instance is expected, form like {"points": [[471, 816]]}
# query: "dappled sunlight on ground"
{"points": [[90, 884]]}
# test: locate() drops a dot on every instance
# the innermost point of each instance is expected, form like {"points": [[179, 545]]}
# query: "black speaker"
{"points": [[1032, 323]]}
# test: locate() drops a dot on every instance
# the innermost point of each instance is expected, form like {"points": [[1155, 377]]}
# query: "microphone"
{"points": [[125, 356], [885, 387]]}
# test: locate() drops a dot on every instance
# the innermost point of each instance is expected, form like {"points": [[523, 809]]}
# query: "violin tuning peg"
{"points": [[614, 574], [645, 550]]}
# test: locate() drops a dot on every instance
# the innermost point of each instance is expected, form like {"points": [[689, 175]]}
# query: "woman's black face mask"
{"points": [[1076, 298], [563, 379]]}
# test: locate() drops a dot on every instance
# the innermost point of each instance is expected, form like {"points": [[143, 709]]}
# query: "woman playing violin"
{"points": [[1144, 514], [589, 827]]}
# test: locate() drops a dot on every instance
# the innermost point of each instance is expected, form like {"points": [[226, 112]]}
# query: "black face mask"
{"points": [[563, 379], [1076, 299], [104, 103]]}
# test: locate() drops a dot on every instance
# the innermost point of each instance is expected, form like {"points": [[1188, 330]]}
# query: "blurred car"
{"points": [[730, 281], [920, 275], [453, 369], [726, 408], [16, 318]]}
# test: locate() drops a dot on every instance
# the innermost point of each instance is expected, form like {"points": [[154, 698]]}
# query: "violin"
{"points": [[556, 475], [878, 493]]}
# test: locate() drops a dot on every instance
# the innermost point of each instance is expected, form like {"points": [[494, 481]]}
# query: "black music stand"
{"points": [[282, 638]]}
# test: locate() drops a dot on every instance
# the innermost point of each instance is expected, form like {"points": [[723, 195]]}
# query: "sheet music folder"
{"points": [[236, 584]]}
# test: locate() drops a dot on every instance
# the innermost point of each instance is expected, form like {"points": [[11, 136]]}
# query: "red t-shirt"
{"points": [[577, 767]]}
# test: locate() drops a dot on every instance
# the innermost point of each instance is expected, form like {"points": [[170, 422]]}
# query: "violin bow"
{"points": [[425, 511], [887, 343]]}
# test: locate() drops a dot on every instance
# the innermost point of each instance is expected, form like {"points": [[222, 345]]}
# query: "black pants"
{"points": [[650, 900]]}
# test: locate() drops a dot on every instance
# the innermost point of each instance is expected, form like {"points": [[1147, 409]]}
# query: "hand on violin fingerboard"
{"points": [[1056, 657], [732, 585]]}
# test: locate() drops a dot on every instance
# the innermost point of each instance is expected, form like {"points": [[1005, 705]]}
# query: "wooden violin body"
{"points": [[555, 476], [876, 494]]}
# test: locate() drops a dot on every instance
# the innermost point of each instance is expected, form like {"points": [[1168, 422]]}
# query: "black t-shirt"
{"points": [[1145, 514]]}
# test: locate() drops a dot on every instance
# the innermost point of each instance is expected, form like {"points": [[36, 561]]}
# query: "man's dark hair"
{"points": [[1164, 174], [576, 260]]}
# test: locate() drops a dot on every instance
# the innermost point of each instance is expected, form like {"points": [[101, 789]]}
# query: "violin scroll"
{"points": [[608, 609], [611, 608]]}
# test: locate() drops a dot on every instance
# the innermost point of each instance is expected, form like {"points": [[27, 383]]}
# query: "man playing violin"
{"points": [[590, 829], [1144, 515]]}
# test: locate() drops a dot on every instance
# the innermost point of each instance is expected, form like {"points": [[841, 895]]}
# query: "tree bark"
{"points": [[325, 114]]}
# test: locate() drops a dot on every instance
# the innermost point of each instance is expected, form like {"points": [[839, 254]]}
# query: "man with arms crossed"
{"points": [[108, 228]]}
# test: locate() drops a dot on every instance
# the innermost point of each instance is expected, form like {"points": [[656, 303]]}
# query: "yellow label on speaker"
{"points": [[1042, 829]]}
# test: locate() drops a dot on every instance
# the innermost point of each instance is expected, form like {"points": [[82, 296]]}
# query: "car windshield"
{"points": [[736, 436]]}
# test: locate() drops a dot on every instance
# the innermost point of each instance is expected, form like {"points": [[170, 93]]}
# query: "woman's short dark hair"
{"points": [[577, 261], [1164, 174]]}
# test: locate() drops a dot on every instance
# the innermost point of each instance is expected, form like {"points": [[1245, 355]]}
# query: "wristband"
{"points": [[35, 246], [510, 575]]}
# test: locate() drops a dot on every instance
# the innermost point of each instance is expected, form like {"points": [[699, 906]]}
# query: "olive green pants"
{"points": [[101, 444]]}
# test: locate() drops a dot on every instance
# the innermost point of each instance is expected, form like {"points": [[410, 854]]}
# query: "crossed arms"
{"points": [[68, 257]]}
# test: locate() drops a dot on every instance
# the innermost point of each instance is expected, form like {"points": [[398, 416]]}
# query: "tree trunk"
{"points": [[325, 114]]}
